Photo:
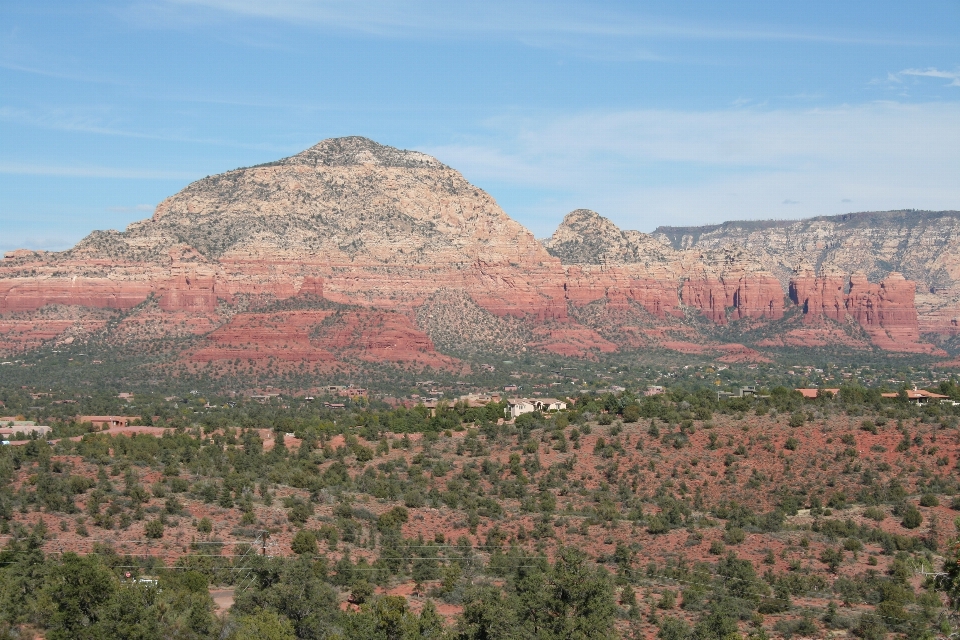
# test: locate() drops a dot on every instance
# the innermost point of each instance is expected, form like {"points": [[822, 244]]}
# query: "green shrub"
{"points": [[304, 542], [153, 529], [874, 513], [204, 525], [852, 544], [392, 519], [668, 600], [300, 511], [911, 518], [674, 629], [833, 558], [929, 500], [734, 535], [361, 591]]}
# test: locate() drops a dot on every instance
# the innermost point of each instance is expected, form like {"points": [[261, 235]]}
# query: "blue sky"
{"points": [[650, 113]]}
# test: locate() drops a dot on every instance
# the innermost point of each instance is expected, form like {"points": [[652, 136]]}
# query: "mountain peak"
{"points": [[586, 237], [357, 150]]}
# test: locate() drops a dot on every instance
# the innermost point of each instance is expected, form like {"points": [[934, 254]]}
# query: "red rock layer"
{"points": [[886, 310], [820, 297], [30, 294], [571, 339], [318, 336], [179, 286], [746, 296], [658, 295], [888, 304]]}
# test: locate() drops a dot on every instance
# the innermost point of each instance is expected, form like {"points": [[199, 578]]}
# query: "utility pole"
{"points": [[263, 541]]}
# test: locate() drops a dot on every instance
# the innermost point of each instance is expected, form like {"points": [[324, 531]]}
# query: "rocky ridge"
{"points": [[924, 246], [357, 223]]}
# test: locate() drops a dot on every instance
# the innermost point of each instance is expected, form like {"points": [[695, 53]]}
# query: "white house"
{"points": [[544, 405], [519, 406]]}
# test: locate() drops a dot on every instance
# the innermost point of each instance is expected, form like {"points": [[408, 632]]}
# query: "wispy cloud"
{"points": [[43, 243], [134, 209], [953, 76], [439, 17], [60, 75], [641, 167], [93, 121], [20, 168]]}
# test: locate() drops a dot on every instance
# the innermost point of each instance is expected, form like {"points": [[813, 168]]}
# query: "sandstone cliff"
{"points": [[723, 284], [428, 258], [922, 245]]}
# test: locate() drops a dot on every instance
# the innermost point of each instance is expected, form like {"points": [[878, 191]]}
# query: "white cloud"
{"points": [[20, 168], [45, 243], [133, 209], [99, 122], [411, 18], [650, 167], [953, 76]]}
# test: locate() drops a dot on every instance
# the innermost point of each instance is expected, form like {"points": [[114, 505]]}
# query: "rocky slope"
{"points": [[924, 246], [424, 257]]}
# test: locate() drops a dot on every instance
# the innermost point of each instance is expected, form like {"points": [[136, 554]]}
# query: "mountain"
{"points": [[924, 246], [355, 251]]}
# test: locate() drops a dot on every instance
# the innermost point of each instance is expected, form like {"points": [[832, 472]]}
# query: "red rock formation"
{"points": [[30, 294], [747, 296], [365, 225], [320, 336], [583, 285], [886, 310], [820, 296], [888, 304], [571, 339]]}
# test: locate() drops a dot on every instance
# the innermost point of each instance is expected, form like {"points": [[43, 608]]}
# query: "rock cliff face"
{"points": [[922, 245], [724, 284], [423, 256], [370, 222], [886, 310], [820, 296]]}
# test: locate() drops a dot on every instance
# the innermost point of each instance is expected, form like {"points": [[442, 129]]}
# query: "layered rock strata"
{"points": [[359, 223], [922, 245], [885, 310]]}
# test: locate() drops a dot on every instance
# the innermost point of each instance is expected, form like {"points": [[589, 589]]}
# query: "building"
{"points": [[479, 399], [741, 393], [544, 405], [23, 429], [654, 390], [919, 396], [518, 407], [812, 394], [107, 422]]}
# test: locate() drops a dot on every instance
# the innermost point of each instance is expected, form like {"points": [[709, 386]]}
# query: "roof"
{"points": [[916, 394], [814, 393]]}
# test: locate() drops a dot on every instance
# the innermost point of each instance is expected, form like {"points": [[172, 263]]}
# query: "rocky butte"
{"points": [[422, 256]]}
